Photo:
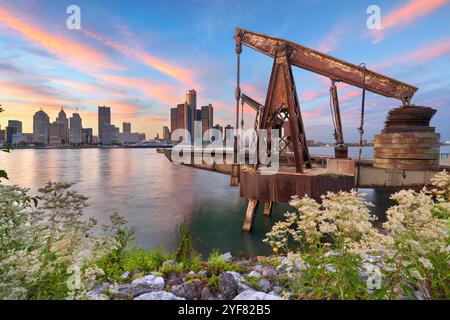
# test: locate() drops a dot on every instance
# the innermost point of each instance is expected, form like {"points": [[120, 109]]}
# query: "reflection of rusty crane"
{"points": [[281, 111]]}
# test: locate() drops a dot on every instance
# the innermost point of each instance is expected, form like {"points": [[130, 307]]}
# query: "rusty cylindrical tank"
{"points": [[407, 141]]}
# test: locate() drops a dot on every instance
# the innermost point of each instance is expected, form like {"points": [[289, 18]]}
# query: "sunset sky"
{"points": [[139, 58]]}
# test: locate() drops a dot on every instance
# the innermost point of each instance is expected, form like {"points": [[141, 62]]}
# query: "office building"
{"points": [[41, 125], [75, 129], [105, 130], [166, 134], [87, 136], [15, 124], [62, 124], [126, 127], [207, 120]]}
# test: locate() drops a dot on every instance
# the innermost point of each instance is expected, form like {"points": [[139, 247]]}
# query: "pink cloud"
{"points": [[74, 53], [405, 15]]}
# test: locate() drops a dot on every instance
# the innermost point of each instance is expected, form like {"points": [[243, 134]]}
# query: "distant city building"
{"points": [[219, 128], [22, 138], [207, 119], [41, 125], [364, 142], [105, 129], [126, 127], [63, 126], [87, 136], [180, 118], [128, 137], [75, 129], [191, 101], [54, 138], [229, 134], [141, 136], [310, 142], [15, 124], [166, 134]]}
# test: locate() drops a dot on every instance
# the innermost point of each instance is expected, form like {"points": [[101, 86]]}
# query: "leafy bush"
{"points": [[48, 251], [333, 251]]}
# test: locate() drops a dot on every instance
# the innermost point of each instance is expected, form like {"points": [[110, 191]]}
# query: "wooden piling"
{"points": [[250, 215], [267, 208]]}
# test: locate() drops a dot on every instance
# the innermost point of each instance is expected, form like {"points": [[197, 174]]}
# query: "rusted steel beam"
{"points": [[328, 66]]}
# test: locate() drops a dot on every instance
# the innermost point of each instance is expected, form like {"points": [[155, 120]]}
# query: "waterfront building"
{"points": [[129, 138], [41, 125], [87, 136], [62, 124], [141, 136], [22, 138], [166, 134], [54, 138], [207, 120], [219, 128], [105, 130], [15, 124], [191, 101], [75, 129], [126, 127], [229, 135]]}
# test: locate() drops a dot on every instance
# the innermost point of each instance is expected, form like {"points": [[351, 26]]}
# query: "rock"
{"points": [[207, 294], [125, 275], [191, 274], [150, 280], [278, 290], [227, 257], [158, 295], [168, 263], [266, 271], [255, 295], [265, 285], [98, 292], [174, 279], [254, 274], [242, 287], [228, 286], [243, 262], [190, 290], [238, 278], [149, 283], [204, 273]]}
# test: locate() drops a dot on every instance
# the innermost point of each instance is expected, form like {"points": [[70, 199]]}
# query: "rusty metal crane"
{"points": [[282, 109]]}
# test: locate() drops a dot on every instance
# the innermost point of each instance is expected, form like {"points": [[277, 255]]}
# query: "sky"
{"points": [[140, 57]]}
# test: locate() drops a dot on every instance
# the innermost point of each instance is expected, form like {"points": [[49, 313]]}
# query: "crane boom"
{"points": [[326, 65]]}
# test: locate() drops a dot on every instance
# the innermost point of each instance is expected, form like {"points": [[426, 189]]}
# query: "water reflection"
{"points": [[154, 195]]}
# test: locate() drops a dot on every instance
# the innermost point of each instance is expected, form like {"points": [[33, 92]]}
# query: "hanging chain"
{"points": [[361, 127]]}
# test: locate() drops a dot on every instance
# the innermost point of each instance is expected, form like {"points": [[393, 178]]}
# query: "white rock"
{"points": [[155, 282], [227, 257], [255, 295], [158, 295], [254, 274], [125, 275]]}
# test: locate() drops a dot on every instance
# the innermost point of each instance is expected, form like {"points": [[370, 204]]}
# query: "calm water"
{"points": [[155, 195]]}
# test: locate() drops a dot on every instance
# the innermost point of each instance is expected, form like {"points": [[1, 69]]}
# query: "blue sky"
{"points": [[139, 58]]}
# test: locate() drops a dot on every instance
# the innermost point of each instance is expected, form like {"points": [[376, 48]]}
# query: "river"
{"points": [[156, 196]]}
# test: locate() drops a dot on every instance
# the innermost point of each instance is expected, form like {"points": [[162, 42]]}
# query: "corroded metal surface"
{"points": [[328, 66], [283, 185], [407, 141]]}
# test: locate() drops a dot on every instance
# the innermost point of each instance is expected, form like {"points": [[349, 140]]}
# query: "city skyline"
{"points": [[134, 65]]}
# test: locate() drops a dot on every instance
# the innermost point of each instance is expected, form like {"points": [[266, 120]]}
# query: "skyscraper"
{"points": [[76, 129], [105, 131], [207, 119], [191, 98], [62, 124], [166, 134], [126, 127], [41, 125], [15, 124]]}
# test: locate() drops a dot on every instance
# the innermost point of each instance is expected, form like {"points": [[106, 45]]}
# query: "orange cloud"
{"points": [[405, 15], [182, 74], [74, 53], [165, 93], [422, 55]]}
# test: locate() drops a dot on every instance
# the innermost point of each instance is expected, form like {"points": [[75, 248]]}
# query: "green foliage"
{"points": [[185, 251], [216, 264], [213, 282]]}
